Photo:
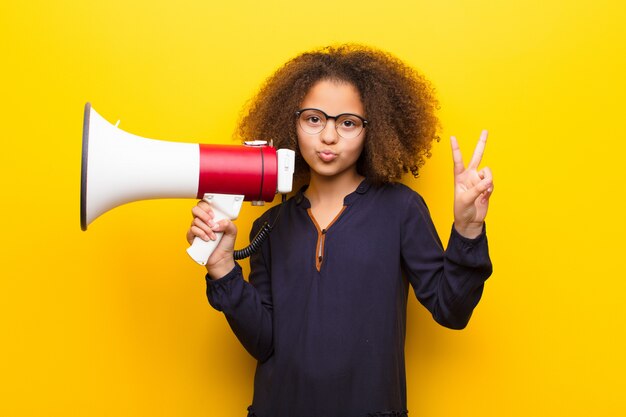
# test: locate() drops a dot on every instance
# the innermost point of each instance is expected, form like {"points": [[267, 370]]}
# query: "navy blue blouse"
{"points": [[324, 311]]}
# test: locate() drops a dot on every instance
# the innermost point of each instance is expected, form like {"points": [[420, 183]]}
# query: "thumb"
{"points": [[472, 194], [226, 226], [229, 231]]}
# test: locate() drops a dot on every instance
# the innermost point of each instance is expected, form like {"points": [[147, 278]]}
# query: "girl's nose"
{"points": [[329, 134]]}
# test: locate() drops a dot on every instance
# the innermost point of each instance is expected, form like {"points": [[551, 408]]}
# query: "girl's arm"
{"points": [[247, 306], [449, 283]]}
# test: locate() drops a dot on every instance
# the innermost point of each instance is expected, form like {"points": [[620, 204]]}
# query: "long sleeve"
{"points": [[247, 305], [448, 283]]}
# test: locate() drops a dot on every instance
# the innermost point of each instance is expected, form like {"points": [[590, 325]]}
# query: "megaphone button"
{"points": [[255, 143]]}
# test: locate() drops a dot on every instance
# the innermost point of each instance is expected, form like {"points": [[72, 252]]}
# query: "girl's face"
{"points": [[327, 153]]}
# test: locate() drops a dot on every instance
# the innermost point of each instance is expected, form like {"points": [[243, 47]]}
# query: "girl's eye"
{"points": [[313, 120], [349, 123]]}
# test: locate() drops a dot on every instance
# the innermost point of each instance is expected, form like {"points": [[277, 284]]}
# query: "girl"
{"points": [[324, 311]]}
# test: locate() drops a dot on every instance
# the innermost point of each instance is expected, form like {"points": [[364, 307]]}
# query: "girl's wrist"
{"points": [[221, 269], [469, 231]]}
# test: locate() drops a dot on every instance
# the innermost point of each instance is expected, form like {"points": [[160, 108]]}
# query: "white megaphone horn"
{"points": [[119, 167]]}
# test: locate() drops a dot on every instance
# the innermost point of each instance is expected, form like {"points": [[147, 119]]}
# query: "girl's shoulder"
{"points": [[399, 192], [400, 199]]}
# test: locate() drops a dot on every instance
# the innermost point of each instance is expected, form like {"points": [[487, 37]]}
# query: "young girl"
{"points": [[324, 311]]}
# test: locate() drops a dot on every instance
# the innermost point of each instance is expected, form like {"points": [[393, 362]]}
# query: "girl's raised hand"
{"points": [[472, 189], [221, 260]]}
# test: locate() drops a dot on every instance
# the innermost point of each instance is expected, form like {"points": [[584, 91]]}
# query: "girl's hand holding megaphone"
{"points": [[221, 261]]}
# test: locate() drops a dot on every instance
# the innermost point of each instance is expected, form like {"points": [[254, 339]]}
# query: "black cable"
{"points": [[260, 237]]}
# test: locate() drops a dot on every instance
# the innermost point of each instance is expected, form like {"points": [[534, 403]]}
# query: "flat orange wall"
{"points": [[114, 321]]}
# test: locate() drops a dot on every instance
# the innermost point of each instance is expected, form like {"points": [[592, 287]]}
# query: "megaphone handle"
{"points": [[200, 250], [225, 206]]}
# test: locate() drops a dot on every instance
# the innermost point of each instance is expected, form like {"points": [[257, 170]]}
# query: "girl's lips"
{"points": [[327, 156]]}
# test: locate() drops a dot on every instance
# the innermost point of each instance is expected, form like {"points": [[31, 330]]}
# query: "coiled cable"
{"points": [[260, 237]]}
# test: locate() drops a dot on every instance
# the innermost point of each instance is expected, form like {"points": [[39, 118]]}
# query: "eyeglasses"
{"points": [[347, 125]]}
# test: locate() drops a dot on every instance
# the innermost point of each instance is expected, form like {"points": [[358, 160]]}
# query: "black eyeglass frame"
{"points": [[363, 120]]}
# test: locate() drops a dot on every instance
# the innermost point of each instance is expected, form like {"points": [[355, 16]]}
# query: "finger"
{"points": [[204, 229], [486, 195], [201, 213], [478, 152], [457, 157], [486, 175], [196, 232], [475, 192], [226, 226], [205, 206]]}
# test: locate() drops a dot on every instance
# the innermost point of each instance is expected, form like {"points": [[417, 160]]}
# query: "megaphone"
{"points": [[119, 167]]}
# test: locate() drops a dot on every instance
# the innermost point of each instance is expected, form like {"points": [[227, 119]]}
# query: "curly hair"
{"points": [[399, 104]]}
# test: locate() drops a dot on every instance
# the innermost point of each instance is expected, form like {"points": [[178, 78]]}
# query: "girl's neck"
{"points": [[329, 190]]}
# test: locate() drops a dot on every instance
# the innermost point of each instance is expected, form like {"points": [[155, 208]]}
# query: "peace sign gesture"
{"points": [[472, 189]]}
